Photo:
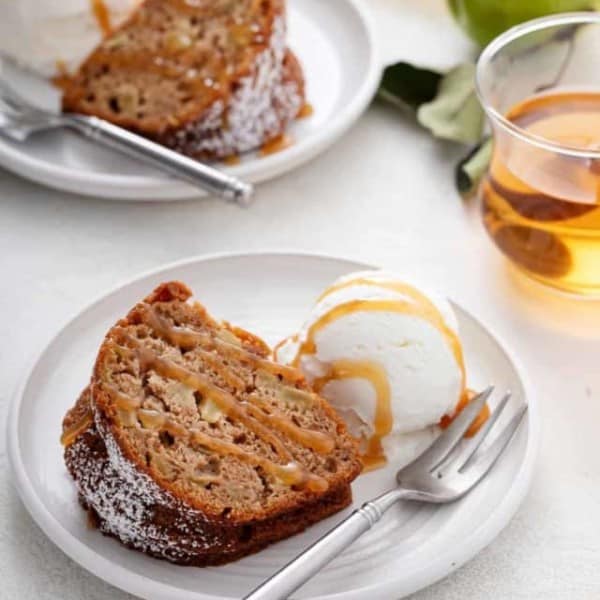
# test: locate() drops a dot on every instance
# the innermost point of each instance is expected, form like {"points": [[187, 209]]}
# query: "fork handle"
{"points": [[162, 158], [312, 560]]}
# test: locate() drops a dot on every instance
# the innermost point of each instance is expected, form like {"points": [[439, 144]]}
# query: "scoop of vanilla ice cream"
{"points": [[50, 37], [371, 332]]}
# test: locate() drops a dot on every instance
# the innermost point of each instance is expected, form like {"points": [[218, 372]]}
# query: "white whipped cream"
{"points": [[50, 37]]}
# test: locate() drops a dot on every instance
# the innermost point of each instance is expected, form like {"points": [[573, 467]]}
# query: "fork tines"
{"points": [[454, 459]]}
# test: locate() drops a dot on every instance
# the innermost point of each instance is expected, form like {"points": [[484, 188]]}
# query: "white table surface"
{"points": [[383, 194]]}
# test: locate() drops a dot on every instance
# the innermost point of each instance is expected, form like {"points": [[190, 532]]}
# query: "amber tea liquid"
{"points": [[542, 208]]}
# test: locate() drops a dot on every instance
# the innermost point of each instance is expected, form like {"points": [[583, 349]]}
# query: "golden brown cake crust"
{"points": [[134, 475]]}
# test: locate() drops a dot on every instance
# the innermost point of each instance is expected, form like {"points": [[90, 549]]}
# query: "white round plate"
{"points": [[269, 294], [335, 44]]}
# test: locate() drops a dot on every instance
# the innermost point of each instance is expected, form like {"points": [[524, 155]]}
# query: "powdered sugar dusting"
{"points": [[263, 103], [128, 501]]}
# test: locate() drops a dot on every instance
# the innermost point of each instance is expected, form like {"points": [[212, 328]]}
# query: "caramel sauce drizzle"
{"points": [[232, 160], [200, 70], [281, 142], [70, 434], [188, 339], [224, 400], [423, 308], [253, 414], [61, 68], [122, 402], [256, 414], [376, 375], [213, 361], [315, 440], [283, 342], [307, 110], [417, 305], [479, 420], [421, 311], [102, 15], [290, 474]]}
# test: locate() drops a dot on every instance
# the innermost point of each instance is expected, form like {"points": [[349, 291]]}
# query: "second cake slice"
{"points": [[208, 78]]}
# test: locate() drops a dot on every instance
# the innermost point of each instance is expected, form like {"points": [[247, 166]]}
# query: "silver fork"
{"points": [[443, 473], [19, 119]]}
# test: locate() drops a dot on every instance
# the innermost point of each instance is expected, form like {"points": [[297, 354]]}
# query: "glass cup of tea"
{"points": [[539, 84]]}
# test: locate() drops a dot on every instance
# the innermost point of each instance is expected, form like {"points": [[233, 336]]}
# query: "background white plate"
{"points": [[269, 294], [335, 44]]}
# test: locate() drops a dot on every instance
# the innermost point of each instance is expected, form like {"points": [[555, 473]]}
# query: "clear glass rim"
{"points": [[503, 40]]}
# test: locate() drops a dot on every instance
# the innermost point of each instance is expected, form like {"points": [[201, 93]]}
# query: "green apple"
{"points": [[483, 20]]}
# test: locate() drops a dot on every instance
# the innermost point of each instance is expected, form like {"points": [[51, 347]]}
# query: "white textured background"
{"points": [[382, 194]]}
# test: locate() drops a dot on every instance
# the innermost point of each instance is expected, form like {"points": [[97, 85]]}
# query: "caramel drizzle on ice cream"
{"points": [[421, 307], [376, 375], [413, 303], [479, 420]]}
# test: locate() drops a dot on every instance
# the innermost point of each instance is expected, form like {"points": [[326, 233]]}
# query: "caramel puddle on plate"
{"points": [[278, 144], [232, 160], [306, 111]]}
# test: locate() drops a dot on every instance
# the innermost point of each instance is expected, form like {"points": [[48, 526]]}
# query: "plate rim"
{"points": [[143, 188], [137, 584]]}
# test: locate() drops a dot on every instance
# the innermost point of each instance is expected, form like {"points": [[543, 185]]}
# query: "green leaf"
{"points": [[409, 86], [455, 113], [472, 167]]}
